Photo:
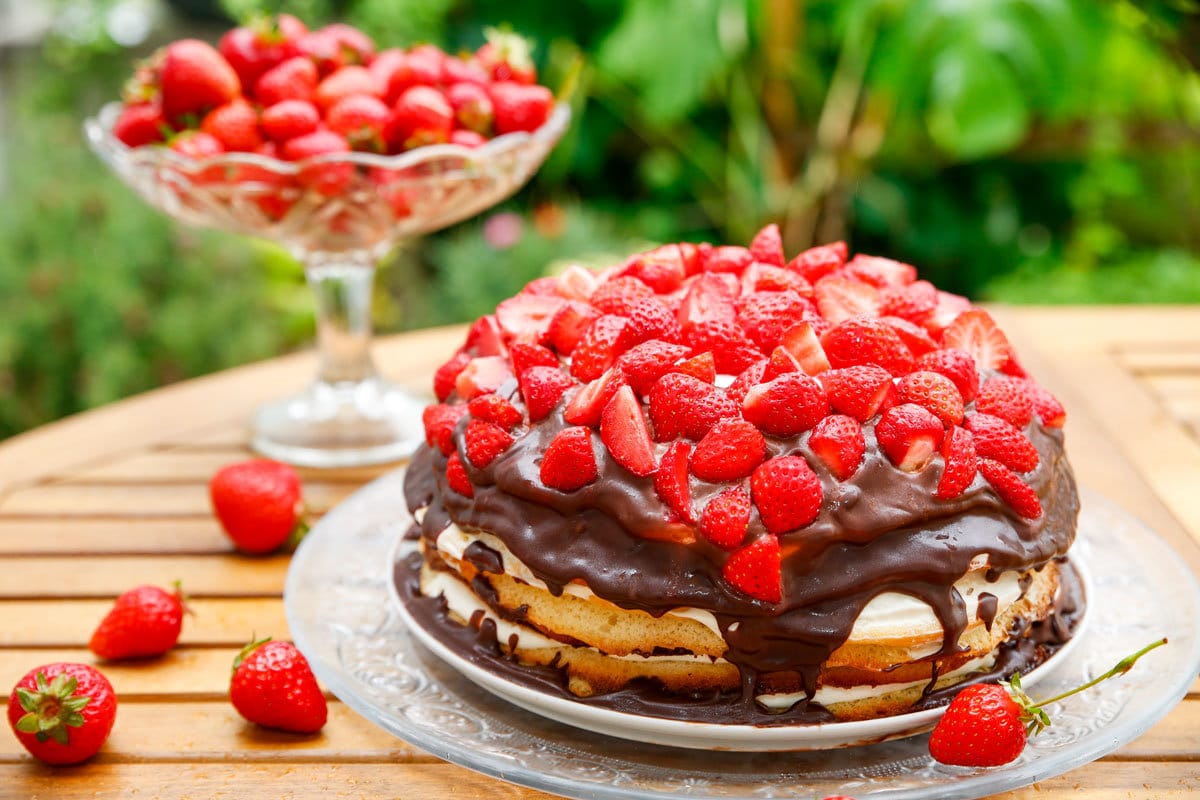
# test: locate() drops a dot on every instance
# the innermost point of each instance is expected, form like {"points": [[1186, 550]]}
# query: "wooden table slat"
{"points": [[107, 576], [186, 673], [153, 536]]}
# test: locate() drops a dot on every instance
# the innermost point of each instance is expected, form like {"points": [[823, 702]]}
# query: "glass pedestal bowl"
{"points": [[337, 215]]}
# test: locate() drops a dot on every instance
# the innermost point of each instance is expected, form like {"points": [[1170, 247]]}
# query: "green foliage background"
{"points": [[1020, 150]]}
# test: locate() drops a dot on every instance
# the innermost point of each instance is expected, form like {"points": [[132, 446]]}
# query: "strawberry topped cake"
{"points": [[713, 483]]}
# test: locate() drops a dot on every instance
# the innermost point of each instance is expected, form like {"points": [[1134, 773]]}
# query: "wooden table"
{"points": [[97, 503]]}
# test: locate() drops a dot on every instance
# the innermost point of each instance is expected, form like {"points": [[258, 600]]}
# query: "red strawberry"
{"points": [[682, 406], [909, 435], [481, 376], [235, 125], [726, 517], [804, 345], [788, 405], [527, 316], [934, 392], [948, 308], [599, 347], [524, 356], [765, 278], [662, 269], [466, 138], [767, 316], [505, 56], [194, 79], [420, 116], [863, 340], [485, 338], [289, 119], [333, 47], [484, 442], [881, 272], [729, 451], [329, 179], [463, 70], [273, 686], [199, 146], [732, 350], [957, 365], [62, 713], [440, 421], [258, 503], [859, 391], [709, 298], [140, 124], [1013, 368], [840, 299], [702, 367], [144, 621], [253, 49], [767, 246], [1046, 406], [755, 569], [456, 476], [914, 302], [587, 405], [568, 324], [914, 337], [817, 262], [787, 493], [617, 295], [750, 377], [671, 481], [728, 258], [472, 107], [397, 72], [780, 363], [650, 319], [960, 463], [542, 387], [838, 441], [447, 374], [644, 364], [495, 409], [1000, 441], [294, 79], [519, 107], [349, 81], [569, 462], [361, 119], [623, 431], [1006, 398], [976, 332]]}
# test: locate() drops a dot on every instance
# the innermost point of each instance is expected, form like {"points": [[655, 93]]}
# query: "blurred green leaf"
{"points": [[977, 107]]}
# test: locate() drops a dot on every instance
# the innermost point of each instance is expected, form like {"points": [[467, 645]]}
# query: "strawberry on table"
{"points": [[143, 622], [258, 504], [62, 713], [273, 686]]}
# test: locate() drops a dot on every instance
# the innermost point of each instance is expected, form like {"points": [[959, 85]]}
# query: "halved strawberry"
{"points": [[650, 319], [731, 349], [446, 375], [672, 482], [780, 363], [645, 363], [615, 295], [728, 258], [914, 302], [767, 246], [662, 269], [750, 377], [976, 332], [1046, 406], [1000, 441], [576, 283], [440, 421], [546, 285], [756, 569], [949, 306], [568, 324], [524, 356], [960, 463], [838, 441], [914, 336], [456, 476], [1012, 367], [624, 432], [909, 435], [957, 365], [485, 338], [787, 493], [863, 340], [1006, 398], [726, 517], [840, 299], [729, 451], [709, 297], [817, 262], [881, 272], [1012, 490], [484, 442], [527, 316], [481, 376], [587, 405], [858, 391], [683, 406], [933, 392], [542, 388], [598, 348], [766, 316], [702, 367], [495, 409], [804, 344], [569, 462], [760, 277], [788, 405]]}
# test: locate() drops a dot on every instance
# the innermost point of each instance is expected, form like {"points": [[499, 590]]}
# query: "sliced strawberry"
{"points": [[858, 391], [481, 376], [650, 319], [587, 405], [495, 409], [804, 344], [599, 347], [615, 295], [1000, 441], [524, 356], [728, 258], [914, 302], [726, 517], [624, 432], [780, 363], [456, 476], [948, 307], [568, 324], [729, 451], [788, 405], [976, 332], [709, 297], [447, 374], [484, 442], [682, 406], [787, 493], [914, 336], [1046, 406], [440, 421], [958, 366], [756, 570], [760, 277], [838, 441], [1012, 490], [672, 482], [731, 349], [569, 462], [933, 392], [1006, 398], [662, 269], [542, 388], [1012, 367], [644, 364], [881, 272], [959, 463], [546, 286], [766, 316], [750, 377], [817, 262], [702, 367], [909, 435], [485, 338], [767, 246], [527, 316], [576, 283], [840, 299], [863, 340]]}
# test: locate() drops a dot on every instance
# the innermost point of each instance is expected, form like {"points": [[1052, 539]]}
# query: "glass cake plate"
{"points": [[341, 613]]}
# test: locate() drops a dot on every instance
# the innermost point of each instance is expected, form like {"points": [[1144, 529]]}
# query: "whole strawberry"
{"points": [[145, 621], [258, 503], [273, 686], [987, 724], [62, 713], [194, 79]]}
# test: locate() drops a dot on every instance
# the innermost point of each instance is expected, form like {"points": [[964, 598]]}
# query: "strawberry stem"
{"points": [[1120, 668]]}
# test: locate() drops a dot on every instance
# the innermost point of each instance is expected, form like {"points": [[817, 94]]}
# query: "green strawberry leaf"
{"points": [[28, 723]]}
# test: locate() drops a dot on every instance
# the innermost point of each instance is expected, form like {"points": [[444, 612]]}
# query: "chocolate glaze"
{"points": [[986, 610]]}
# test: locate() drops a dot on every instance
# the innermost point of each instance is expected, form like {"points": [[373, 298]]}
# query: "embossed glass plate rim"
{"points": [[951, 783]]}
